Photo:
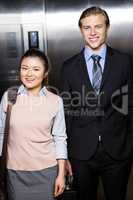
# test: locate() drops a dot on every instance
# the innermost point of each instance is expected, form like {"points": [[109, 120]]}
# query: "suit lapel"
{"points": [[107, 67], [83, 69]]}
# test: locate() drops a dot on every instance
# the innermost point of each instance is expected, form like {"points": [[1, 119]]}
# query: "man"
{"points": [[94, 85]]}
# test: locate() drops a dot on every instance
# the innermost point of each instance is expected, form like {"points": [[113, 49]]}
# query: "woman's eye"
{"points": [[24, 68], [36, 69]]}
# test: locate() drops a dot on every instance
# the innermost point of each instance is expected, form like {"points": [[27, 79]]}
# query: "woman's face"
{"points": [[32, 74]]}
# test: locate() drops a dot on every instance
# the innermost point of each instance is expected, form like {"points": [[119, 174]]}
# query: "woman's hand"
{"points": [[59, 185], [60, 179]]}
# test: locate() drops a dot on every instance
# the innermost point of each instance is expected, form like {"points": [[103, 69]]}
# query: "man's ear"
{"points": [[108, 27]]}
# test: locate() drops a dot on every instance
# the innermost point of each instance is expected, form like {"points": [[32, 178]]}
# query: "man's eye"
{"points": [[36, 69], [99, 26], [86, 27]]}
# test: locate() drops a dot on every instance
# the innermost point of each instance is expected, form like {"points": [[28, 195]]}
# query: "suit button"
{"points": [[99, 138]]}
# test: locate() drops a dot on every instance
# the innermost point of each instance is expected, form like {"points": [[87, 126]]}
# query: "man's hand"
{"points": [[68, 168]]}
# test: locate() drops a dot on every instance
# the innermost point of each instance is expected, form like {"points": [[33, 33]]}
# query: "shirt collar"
{"points": [[23, 91], [88, 52]]}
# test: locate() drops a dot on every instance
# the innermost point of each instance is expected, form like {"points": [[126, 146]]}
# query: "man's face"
{"points": [[94, 31]]}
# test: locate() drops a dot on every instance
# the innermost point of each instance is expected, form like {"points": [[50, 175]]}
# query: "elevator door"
{"points": [[11, 49]]}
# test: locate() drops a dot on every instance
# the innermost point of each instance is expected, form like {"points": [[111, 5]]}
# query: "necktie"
{"points": [[96, 73]]}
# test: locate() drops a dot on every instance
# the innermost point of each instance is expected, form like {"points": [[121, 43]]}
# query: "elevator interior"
{"points": [[52, 26]]}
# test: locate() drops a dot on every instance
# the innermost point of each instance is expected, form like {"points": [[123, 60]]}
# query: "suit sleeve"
{"points": [[130, 102], [65, 93]]}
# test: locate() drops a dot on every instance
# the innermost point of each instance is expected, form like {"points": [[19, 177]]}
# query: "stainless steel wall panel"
{"points": [[63, 35], [10, 52]]}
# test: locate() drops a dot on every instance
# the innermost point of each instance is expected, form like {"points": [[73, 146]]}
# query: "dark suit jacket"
{"points": [[110, 114]]}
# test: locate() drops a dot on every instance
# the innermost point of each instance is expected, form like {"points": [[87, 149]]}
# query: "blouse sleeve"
{"points": [[3, 108], [59, 133]]}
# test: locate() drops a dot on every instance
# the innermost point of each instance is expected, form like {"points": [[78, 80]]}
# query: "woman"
{"points": [[37, 137]]}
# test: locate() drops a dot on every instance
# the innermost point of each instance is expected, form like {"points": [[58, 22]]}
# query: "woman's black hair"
{"points": [[37, 53]]}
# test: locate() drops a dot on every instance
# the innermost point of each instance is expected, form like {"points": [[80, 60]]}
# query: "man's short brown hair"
{"points": [[94, 11]]}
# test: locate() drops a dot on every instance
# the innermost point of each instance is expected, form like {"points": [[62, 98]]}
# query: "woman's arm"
{"points": [[60, 179], [59, 135], [3, 107]]}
